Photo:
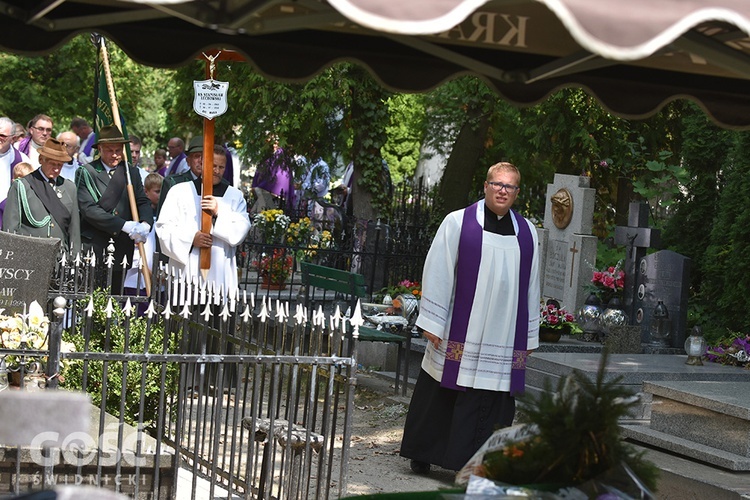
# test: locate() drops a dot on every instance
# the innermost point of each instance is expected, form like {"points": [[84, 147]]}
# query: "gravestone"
{"points": [[637, 238], [26, 265], [568, 247], [665, 276]]}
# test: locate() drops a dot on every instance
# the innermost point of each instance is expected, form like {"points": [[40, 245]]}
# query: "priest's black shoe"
{"points": [[420, 467]]}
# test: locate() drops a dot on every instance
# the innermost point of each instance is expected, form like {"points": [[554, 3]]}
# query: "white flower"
{"points": [[11, 339], [36, 315]]}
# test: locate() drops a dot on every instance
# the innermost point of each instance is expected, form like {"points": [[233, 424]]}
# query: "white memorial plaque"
{"points": [[210, 98]]}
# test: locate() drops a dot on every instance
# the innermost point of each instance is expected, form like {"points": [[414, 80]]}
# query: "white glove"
{"points": [[143, 228], [137, 237], [129, 226]]}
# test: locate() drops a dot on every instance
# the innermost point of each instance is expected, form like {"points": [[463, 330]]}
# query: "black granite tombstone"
{"points": [[637, 237], [26, 265], [665, 276]]}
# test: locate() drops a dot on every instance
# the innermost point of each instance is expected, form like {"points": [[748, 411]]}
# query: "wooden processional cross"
{"points": [[210, 101]]}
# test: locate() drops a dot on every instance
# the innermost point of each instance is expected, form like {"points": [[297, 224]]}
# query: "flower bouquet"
{"points": [[403, 287], [732, 349], [555, 321], [272, 225], [25, 332], [274, 269], [608, 283], [298, 234]]}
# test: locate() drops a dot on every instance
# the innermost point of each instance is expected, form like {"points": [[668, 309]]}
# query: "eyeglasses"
{"points": [[499, 186], [42, 129], [3, 137]]}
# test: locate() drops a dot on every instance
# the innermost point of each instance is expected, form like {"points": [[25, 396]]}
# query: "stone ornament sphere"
{"points": [[562, 208]]}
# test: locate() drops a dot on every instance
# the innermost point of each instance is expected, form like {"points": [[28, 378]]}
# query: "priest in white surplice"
{"points": [[480, 314], [178, 227]]}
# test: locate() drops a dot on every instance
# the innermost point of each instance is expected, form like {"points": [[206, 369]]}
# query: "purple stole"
{"points": [[24, 145], [89, 144], [16, 160], [467, 269], [175, 162]]}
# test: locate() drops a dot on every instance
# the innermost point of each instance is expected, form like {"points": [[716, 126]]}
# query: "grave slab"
{"points": [[707, 421], [633, 370]]}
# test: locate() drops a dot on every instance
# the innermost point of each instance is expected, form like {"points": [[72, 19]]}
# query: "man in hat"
{"points": [[105, 206], [43, 203], [194, 161]]}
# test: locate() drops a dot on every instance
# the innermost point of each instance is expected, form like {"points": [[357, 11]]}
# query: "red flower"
{"points": [[275, 267]]}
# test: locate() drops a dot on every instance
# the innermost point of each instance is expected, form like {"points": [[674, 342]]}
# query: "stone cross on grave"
{"points": [[637, 237], [566, 241]]}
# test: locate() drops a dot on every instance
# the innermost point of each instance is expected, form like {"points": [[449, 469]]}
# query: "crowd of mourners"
{"points": [[82, 188]]}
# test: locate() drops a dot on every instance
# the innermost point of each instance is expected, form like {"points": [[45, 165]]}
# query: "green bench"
{"points": [[352, 287]]}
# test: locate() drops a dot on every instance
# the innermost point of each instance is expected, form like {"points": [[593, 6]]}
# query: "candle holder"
{"points": [[695, 347]]}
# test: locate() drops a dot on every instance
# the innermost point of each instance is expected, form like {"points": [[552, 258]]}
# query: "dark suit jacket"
{"points": [[15, 219], [99, 225]]}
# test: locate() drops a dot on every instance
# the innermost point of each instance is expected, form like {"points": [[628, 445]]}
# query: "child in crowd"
{"points": [[133, 278], [22, 169], [160, 160], [152, 187]]}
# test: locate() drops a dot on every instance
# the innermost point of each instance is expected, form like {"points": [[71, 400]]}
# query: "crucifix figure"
{"points": [[211, 63]]}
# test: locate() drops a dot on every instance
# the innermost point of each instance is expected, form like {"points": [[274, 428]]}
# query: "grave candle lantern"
{"points": [[695, 347], [661, 326]]}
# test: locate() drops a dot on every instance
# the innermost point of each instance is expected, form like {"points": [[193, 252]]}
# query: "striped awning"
{"points": [[633, 56]]}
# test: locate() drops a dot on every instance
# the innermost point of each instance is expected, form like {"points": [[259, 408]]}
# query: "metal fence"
{"points": [[243, 397], [235, 393], [384, 251]]}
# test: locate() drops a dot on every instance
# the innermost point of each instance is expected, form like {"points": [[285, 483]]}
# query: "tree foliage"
{"points": [[405, 133], [340, 116], [61, 85], [726, 259]]}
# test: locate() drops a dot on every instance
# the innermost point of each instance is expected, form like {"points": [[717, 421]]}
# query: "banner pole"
{"points": [[131, 193]]}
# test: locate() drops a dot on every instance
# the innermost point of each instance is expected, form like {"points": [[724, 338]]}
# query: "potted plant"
{"points": [[555, 321], [274, 269], [272, 225], [571, 444], [298, 235]]}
